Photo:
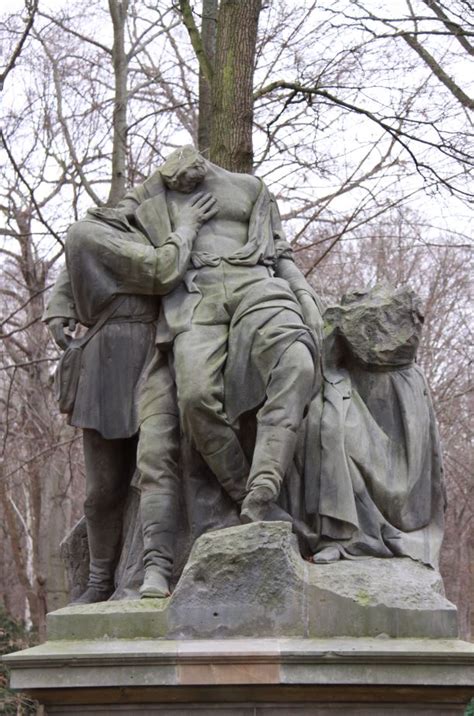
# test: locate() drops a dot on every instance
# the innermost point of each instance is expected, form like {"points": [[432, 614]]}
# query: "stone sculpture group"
{"points": [[206, 368]]}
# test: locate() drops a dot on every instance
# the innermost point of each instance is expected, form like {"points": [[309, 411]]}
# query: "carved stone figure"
{"points": [[238, 338], [379, 486], [111, 259], [238, 332], [232, 421]]}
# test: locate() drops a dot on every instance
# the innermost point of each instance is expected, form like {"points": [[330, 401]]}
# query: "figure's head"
{"points": [[184, 169], [126, 206]]}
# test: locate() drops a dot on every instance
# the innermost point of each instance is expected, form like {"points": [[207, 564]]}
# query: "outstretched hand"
{"points": [[56, 328], [199, 209]]}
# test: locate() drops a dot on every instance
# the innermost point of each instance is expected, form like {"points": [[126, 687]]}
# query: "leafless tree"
{"points": [[361, 124], [31, 8]]}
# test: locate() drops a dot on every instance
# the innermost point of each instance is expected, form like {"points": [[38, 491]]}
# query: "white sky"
{"points": [[443, 211]]}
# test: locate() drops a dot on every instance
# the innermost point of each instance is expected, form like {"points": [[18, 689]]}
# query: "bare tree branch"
{"points": [[39, 454], [32, 7], [22, 178], [454, 28], [438, 71], [75, 33], [196, 40]]}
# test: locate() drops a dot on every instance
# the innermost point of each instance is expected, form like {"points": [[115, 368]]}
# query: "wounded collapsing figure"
{"points": [[243, 326]]}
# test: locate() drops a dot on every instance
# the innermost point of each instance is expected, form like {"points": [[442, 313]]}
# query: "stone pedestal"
{"points": [[254, 629], [240, 677]]}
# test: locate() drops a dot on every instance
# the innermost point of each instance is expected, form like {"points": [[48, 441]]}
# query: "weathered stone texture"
{"points": [[251, 581], [380, 326]]}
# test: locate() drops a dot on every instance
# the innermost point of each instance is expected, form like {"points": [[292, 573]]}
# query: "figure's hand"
{"points": [[56, 328], [196, 211]]}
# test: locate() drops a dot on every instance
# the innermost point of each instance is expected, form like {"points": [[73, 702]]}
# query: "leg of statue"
{"points": [[288, 394], [109, 468], [158, 456], [199, 358]]}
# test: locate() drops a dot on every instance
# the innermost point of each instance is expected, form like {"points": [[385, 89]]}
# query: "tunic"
{"points": [[107, 256]]}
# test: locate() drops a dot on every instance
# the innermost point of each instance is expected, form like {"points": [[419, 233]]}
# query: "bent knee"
{"points": [[197, 400]]}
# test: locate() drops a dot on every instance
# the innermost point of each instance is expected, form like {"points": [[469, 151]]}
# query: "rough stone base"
{"points": [[152, 656], [250, 581], [246, 677]]}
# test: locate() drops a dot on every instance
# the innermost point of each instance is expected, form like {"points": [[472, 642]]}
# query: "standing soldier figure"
{"points": [[115, 268]]}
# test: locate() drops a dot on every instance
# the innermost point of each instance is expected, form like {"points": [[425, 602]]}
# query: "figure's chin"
{"points": [[188, 187]]}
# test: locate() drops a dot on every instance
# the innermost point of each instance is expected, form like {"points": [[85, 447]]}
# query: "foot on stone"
{"points": [[327, 555], [256, 505], [93, 595], [155, 584]]}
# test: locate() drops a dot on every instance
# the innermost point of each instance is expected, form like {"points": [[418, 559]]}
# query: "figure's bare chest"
{"points": [[235, 196]]}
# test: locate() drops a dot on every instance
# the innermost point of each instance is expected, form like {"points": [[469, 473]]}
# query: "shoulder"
{"points": [[247, 181], [80, 229], [252, 183], [86, 232]]}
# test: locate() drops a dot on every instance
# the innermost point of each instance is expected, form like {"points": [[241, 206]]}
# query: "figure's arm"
{"points": [[129, 267], [310, 303], [287, 269], [60, 311]]}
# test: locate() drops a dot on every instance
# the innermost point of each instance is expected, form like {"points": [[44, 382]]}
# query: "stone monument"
{"points": [[264, 479]]}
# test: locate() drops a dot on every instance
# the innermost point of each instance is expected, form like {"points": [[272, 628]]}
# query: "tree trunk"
{"points": [[232, 87], [208, 37], [118, 12]]}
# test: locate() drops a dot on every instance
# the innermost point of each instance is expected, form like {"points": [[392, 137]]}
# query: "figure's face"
{"points": [[187, 179]]}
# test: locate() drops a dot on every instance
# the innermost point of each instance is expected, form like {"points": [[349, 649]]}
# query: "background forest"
{"points": [[356, 113]]}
